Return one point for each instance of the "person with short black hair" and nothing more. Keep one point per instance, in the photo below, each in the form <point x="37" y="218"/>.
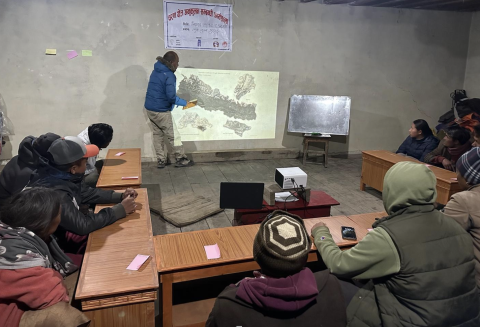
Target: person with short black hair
<point x="285" y="292"/>
<point x="65" y="174"/>
<point x="32" y="266"/>
<point x="101" y="135"/>
<point x="160" y="100"/>
<point x="420" y="141"/>
<point x="32" y="154"/>
<point x="455" y="143"/>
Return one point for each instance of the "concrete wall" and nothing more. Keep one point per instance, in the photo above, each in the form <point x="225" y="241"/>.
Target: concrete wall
<point x="472" y="73"/>
<point x="397" y="65"/>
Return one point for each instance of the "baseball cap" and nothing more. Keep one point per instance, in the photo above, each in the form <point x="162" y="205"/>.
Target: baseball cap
<point x="70" y="149"/>
<point x="43" y="142"/>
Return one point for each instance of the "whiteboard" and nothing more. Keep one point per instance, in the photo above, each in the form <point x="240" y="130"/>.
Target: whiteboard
<point x="319" y="114"/>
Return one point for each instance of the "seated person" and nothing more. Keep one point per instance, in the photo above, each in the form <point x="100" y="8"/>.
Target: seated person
<point x="464" y="206"/>
<point x="419" y="262"/>
<point x="100" y="135"/>
<point x="65" y="174"/>
<point x="32" y="266"/>
<point x="420" y="141"/>
<point x="285" y="293"/>
<point x="455" y="143"/>
<point x="476" y="136"/>
<point x="31" y="155"/>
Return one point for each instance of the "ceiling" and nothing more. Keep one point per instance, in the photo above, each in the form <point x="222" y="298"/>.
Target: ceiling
<point x="450" y="5"/>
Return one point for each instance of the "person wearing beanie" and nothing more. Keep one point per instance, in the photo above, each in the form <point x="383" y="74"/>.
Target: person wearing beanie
<point x="418" y="263"/>
<point x="65" y="174"/>
<point x="32" y="154"/>
<point x="285" y="292"/>
<point x="464" y="206"/>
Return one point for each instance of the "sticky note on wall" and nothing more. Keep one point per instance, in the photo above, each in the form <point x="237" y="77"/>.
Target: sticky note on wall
<point x="72" y="54"/>
<point x="51" y="51"/>
<point x="87" y="53"/>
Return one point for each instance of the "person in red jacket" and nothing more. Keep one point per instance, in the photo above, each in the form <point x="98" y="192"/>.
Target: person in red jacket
<point x="32" y="265"/>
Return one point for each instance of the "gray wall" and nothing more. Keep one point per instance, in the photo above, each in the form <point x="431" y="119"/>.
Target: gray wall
<point x="472" y="74"/>
<point x="397" y="65"/>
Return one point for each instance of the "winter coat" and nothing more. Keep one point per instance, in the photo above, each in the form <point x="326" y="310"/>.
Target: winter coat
<point x="418" y="149"/>
<point x="16" y="173"/>
<point x="162" y="88"/>
<point x="74" y="192"/>
<point x="464" y="207"/>
<point x="304" y="299"/>
<point x="437" y="156"/>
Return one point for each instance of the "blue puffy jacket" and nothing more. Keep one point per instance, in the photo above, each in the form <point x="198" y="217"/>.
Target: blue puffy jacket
<point x="162" y="88"/>
<point x="418" y="149"/>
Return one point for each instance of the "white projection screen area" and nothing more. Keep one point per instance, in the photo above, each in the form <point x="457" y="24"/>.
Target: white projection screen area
<point x="232" y="104"/>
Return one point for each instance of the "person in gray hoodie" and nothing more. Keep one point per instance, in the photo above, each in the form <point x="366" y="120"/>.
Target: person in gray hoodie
<point x="285" y="292"/>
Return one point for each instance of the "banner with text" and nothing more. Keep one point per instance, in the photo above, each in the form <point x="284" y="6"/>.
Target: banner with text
<point x="197" y="26"/>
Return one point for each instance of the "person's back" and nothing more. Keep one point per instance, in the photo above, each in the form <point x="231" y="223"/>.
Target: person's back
<point x="161" y="91"/>
<point x="285" y="293"/>
<point x="284" y="302"/>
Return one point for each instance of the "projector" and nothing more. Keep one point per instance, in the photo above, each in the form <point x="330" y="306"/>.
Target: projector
<point x="284" y="176"/>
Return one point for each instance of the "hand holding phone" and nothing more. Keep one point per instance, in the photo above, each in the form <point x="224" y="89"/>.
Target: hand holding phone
<point x="348" y="233"/>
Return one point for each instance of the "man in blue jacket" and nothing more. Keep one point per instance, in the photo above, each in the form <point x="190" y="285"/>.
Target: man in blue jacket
<point x="159" y="102"/>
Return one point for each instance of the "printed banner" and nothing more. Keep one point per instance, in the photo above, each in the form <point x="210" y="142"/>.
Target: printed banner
<point x="197" y="26"/>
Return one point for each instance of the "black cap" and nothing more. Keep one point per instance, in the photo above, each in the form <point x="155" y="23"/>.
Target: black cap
<point x="43" y="142"/>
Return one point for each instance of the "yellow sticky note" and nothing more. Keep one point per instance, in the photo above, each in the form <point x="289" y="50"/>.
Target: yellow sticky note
<point x="87" y="53"/>
<point x="51" y="51"/>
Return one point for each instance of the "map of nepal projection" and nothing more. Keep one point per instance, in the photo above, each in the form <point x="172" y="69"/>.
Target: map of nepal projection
<point x="230" y="104"/>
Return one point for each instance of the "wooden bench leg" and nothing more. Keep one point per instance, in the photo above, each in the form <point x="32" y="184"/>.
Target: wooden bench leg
<point x="362" y="185"/>
<point x="305" y="149"/>
<point x="325" y="163"/>
<point x="167" y="300"/>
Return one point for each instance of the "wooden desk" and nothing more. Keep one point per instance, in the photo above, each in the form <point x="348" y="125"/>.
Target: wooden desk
<point x="366" y="220"/>
<point x="110" y="294"/>
<point x="319" y="206"/>
<point x="376" y="164"/>
<point x="181" y="257"/>
<point x="114" y="168"/>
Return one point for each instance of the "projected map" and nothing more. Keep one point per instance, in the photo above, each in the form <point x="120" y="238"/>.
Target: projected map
<point x="231" y="104"/>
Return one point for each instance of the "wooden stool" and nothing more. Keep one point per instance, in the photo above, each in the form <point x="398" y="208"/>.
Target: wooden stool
<point x="313" y="139"/>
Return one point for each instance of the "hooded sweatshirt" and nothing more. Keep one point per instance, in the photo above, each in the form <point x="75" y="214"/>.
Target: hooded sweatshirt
<point x="18" y="170"/>
<point x="303" y="299"/>
<point x="90" y="161"/>
<point x="400" y="258"/>
<point x="162" y="88"/>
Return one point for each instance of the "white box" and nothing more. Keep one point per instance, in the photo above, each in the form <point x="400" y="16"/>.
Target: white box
<point x="284" y="176"/>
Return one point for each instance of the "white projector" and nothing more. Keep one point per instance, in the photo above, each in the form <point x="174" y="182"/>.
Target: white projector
<point x="285" y="177"/>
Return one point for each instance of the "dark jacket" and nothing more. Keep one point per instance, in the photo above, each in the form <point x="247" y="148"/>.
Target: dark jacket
<point x="435" y="286"/>
<point x="418" y="149"/>
<point x="162" y="88"/>
<point x="304" y="299"/>
<point x="442" y="152"/>
<point x="74" y="192"/>
<point x="17" y="172"/>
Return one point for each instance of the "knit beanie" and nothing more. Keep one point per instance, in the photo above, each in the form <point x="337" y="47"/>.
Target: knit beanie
<point x="469" y="166"/>
<point x="281" y="245"/>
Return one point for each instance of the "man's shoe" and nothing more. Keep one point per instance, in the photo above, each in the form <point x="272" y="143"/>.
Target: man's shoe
<point x="161" y="164"/>
<point x="184" y="163"/>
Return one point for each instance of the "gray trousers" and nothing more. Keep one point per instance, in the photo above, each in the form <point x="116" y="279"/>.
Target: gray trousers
<point x="162" y="126"/>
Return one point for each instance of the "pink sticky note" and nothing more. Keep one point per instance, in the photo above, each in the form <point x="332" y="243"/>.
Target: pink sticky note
<point x="369" y="229"/>
<point x="131" y="177"/>
<point x="120" y="154"/>
<point x="213" y="251"/>
<point x="428" y="165"/>
<point x="453" y="179"/>
<point x="138" y="262"/>
<point x="72" y="54"/>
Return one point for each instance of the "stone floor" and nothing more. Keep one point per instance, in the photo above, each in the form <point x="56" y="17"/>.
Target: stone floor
<point x="341" y="180"/>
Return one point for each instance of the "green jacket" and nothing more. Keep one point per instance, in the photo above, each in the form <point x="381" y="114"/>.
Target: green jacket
<point x="417" y="277"/>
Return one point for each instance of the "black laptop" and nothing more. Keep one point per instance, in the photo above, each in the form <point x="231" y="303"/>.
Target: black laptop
<point x="241" y="195"/>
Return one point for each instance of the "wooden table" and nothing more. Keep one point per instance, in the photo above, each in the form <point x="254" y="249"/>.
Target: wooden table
<point x="366" y="220"/>
<point x="181" y="257"/>
<point x="376" y="164"/>
<point x="114" y="168"/>
<point x="316" y="139"/>
<point x="110" y="294"/>
<point x="319" y="206"/>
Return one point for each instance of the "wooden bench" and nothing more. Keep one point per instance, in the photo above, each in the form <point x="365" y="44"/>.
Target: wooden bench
<point x="376" y="164"/>
<point x="181" y="257"/>
<point x="116" y="167"/>
<point x="111" y="295"/>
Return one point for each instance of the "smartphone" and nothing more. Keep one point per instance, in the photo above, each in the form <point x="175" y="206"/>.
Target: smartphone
<point x="348" y="233"/>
